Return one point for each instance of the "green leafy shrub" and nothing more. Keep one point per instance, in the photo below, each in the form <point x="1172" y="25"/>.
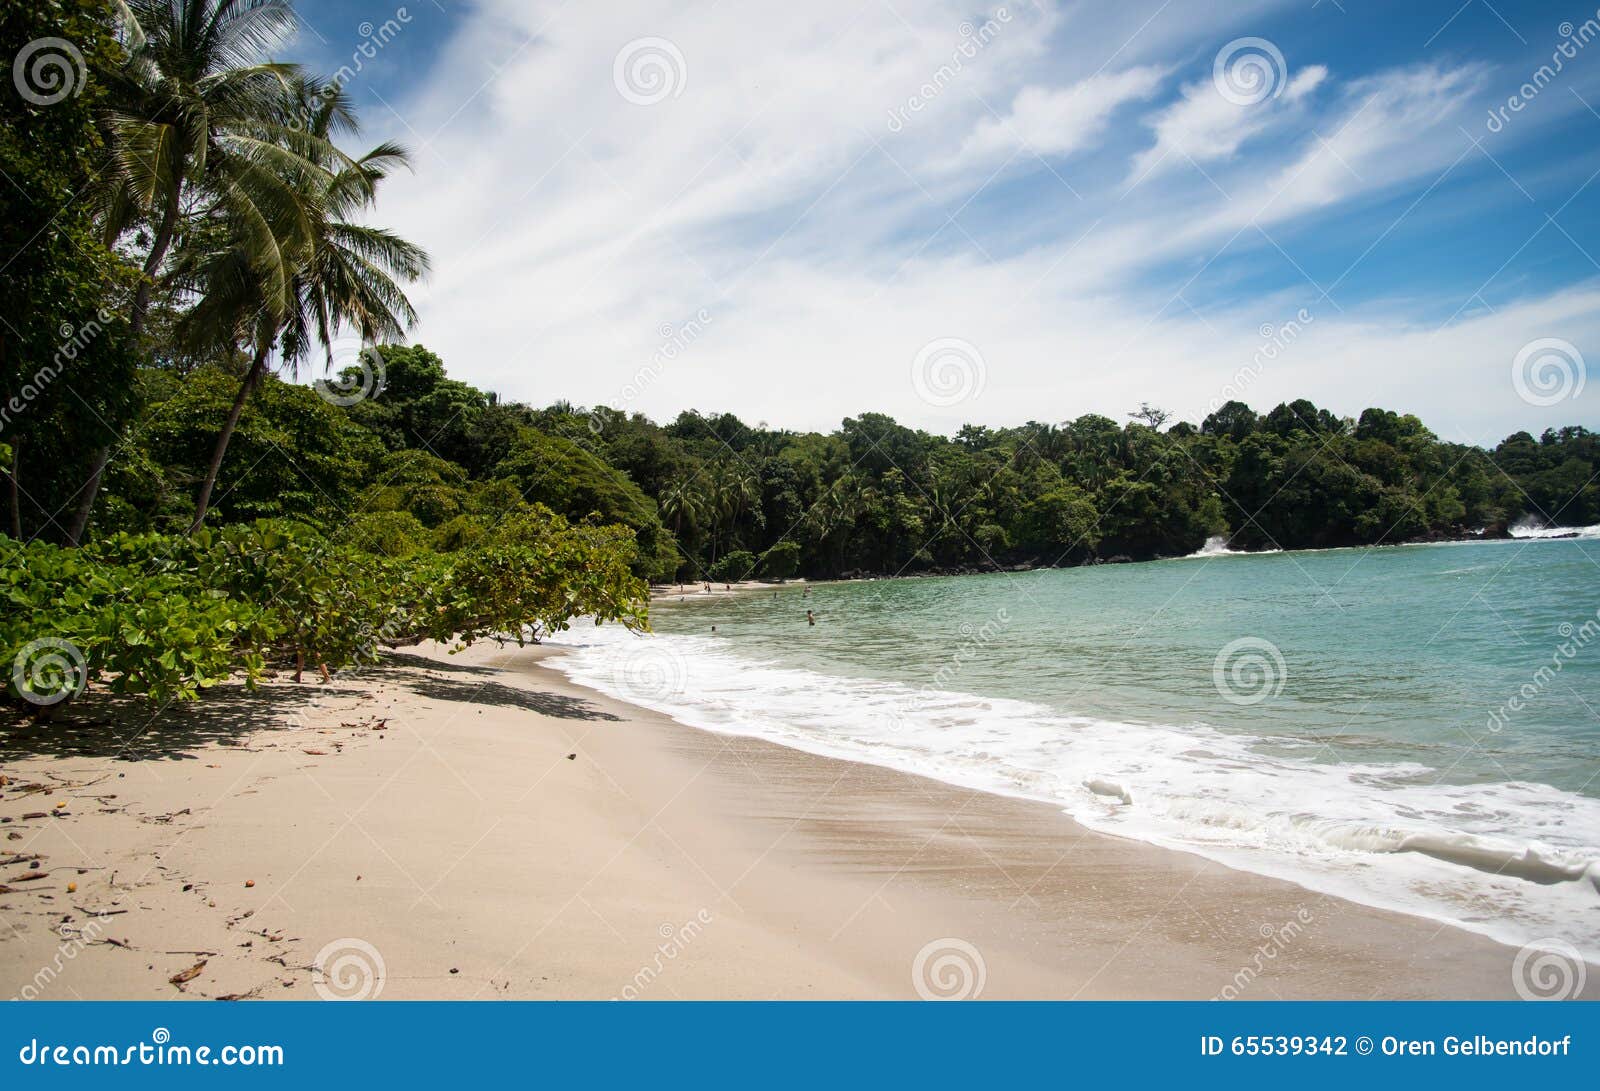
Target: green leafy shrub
<point x="781" y="561"/>
<point x="534" y="574"/>
<point x="387" y="533"/>
<point x="131" y="618"/>
<point x="738" y="565"/>
<point x="167" y="616"/>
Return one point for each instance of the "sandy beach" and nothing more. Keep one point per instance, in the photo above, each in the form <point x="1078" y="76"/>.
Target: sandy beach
<point x="475" y="826"/>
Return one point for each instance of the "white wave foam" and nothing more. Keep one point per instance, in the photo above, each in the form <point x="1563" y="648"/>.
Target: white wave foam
<point x="1528" y="527"/>
<point x="1515" y="861"/>
<point x="1217" y="546"/>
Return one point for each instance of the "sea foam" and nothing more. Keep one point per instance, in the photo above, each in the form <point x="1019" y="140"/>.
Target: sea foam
<point x="1517" y="861"/>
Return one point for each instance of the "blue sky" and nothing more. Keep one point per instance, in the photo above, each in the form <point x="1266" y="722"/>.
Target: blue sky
<point x="955" y="213"/>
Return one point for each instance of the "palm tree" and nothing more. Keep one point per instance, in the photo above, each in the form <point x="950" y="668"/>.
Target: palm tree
<point x="731" y="488"/>
<point x="345" y="276"/>
<point x="681" y="505"/>
<point x="195" y="121"/>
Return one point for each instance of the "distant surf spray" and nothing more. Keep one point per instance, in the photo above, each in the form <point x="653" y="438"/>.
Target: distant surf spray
<point x="1529" y="527"/>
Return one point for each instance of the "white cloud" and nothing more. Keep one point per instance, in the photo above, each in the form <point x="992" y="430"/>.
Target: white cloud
<point x="1203" y="125"/>
<point x="1056" y="121"/>
<point x="1397" y="125"/>
<point x="568" y="224"/>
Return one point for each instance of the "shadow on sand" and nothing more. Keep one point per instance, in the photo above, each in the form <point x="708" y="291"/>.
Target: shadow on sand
<point x="101" y="724"/>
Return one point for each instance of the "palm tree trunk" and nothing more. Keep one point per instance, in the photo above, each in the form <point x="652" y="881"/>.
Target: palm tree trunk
<point x="14" y="489"/>
<point x="80" y="517"/>
<point x="203" y="503"/>
<point x="136" y="316"/>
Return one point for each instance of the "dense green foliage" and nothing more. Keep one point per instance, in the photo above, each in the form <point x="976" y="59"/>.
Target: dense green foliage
<point x="165" y="616"/>
<point x="709" y="498"/>
<point x="179" y="220"/>
<point x="66" y="359"/>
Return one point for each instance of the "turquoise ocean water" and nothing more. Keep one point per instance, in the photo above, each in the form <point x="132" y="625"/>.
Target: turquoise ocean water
<point x="1414" y="727"/>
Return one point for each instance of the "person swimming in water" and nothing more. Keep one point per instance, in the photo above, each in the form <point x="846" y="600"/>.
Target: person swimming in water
<point x="811" y="619"/>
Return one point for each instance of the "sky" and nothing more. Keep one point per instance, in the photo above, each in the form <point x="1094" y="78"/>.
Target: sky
<point x="954" y="213"/>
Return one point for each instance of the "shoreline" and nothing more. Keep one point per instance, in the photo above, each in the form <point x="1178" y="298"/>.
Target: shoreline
<point x="696" y="591"/>
<point x="461" y="842"/>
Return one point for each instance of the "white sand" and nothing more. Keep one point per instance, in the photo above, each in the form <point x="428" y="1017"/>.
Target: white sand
<point x="464" y="847"/>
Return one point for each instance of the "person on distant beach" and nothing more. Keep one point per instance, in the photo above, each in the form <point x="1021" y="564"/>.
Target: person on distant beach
<point x="811" y="619"/>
